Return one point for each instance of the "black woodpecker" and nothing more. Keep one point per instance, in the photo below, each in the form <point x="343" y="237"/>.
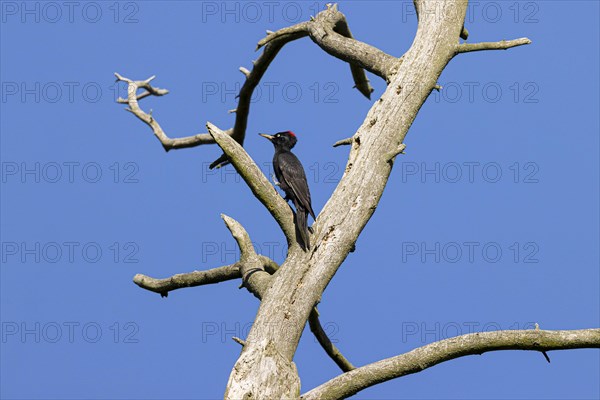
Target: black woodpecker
<point x="292" y="180"/>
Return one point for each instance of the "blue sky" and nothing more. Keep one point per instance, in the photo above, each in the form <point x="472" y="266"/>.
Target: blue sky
<point x="490" y="220"/>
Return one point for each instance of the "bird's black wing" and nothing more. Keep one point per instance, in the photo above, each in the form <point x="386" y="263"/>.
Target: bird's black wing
<point x="293" y="175"/>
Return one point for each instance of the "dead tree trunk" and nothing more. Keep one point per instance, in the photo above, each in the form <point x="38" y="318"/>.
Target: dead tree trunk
<point x="289" y="294"/>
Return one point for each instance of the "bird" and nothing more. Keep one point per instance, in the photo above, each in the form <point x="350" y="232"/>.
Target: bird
<point x="292" y="180"/>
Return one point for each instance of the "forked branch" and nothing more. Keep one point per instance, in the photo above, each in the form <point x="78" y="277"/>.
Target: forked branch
<point x="238" y="132"/>
<point x="249" y="263"/>
<point x="132" y="100"/>
<point x="330" y="31"/>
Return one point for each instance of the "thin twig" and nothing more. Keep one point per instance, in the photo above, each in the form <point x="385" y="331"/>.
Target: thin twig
<point x="132" y="100"/>
<point x="343" y="142"/>
<point x="325" y="342"/>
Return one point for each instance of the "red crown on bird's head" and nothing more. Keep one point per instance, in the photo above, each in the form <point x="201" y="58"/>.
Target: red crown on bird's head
<point x="291" y="133"/>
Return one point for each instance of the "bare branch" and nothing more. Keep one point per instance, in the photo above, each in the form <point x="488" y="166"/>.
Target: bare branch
<point x="257" y="181"/>
<point x="361" y="82"/>
<point x="198" y="278"/>
<point x="352" y="382"/>
<point x="330" y="31"/>
<point x="241" y="237"/>
<point x="298" y="31"/>
<point x="245" y="71"/>
<point x="501" y="45"/>
<point x="330" y="348"/>
<point x="167" y="142"/>
<point x="343" y="142"/>
<point x="143" y="95"/>
<point x="239" y="341"/>
<point x="190" y="279"/>
<point x="242" y="111"/>
<point x="254" y="276"/>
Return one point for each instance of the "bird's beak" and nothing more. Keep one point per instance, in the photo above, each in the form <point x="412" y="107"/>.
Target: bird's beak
<point x="270" y="137"/>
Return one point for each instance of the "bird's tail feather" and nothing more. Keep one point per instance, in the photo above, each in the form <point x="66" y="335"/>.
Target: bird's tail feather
<point x="302" y="228"/>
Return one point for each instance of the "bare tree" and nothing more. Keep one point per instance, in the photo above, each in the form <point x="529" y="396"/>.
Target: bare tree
<point x="289" y="294"/>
